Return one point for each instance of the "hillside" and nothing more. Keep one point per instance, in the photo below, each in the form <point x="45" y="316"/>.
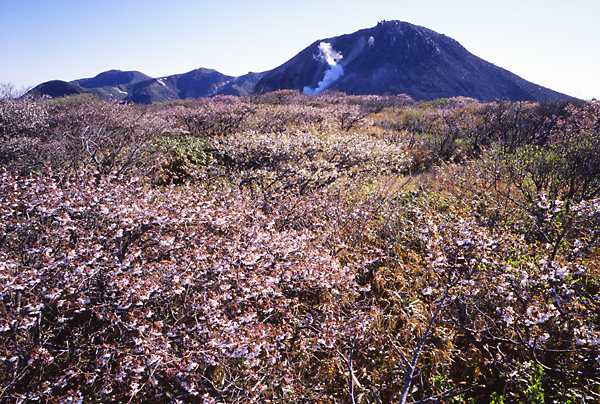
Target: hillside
<point x="139" y="88"/>
<point x="106" y="85"/>
<point x="58" y="88"/>
<point x="197" y="83"/>
<point x="400" y="58"/>
<point x="112" y="78"/>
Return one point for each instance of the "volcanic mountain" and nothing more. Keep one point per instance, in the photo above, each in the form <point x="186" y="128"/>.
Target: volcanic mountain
<point x="400" y="58"/>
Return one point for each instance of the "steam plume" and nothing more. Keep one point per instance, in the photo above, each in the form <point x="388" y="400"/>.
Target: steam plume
<point x="334" y="72"/>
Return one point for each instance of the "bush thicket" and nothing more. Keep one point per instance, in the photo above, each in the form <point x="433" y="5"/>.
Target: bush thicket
<point x="285" y="248"/>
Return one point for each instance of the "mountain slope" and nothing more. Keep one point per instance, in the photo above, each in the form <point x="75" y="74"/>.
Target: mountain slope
<point x="138" y="88"/>
<point x="398" y="57"/>
<point x="197" y="83"/>
<point x="112" y="78"/>
<point x="57" y="88"/>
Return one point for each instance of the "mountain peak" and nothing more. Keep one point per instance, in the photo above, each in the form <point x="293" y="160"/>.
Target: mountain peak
<point x="396" y="57"/>
<point x="112" y="78"/>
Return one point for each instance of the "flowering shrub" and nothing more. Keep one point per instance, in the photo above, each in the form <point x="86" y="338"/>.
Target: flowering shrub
<point x="277" y="249"/>
<point x="106" y="135"/>
<point x="302" y="162"/>
<point x="21" y="117"/>
<point x="111" y="289"/>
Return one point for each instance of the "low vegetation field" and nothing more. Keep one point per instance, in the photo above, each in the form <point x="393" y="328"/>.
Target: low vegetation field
<point x="294" y="249"/>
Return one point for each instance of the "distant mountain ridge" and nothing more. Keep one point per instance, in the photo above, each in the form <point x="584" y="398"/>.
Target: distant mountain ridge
<point x="112" y="78"/>
<point x="197" y="83"/>
<point x="139" y="88"/>
<point x="393" y="57"/>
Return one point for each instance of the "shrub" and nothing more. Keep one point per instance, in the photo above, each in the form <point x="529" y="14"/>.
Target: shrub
<point x="219" y="117"/>
<point x="183" y="159"/>
<point x="232" y="250"/>
<point x="547" y="181"/>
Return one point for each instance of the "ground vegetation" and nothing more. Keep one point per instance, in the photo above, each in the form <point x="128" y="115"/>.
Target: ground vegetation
<point x="287" y="248"/>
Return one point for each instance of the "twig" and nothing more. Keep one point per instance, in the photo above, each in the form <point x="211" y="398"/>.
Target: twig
<point x="446" y="394"/>
<point x="375" y="396"/>
<point x="413" y="364"/>
<point x="351" y="370"/>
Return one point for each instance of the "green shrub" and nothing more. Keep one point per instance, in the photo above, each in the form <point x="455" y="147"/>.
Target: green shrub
<point x="411" y="118"/>
<point x="74" y="100"/>
<point x="184" y="159"/>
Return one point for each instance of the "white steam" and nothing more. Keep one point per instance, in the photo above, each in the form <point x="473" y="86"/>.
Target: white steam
<point x="335" y="71"/>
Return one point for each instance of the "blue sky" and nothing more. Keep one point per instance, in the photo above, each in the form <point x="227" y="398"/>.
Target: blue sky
<point x="552" y="43"/>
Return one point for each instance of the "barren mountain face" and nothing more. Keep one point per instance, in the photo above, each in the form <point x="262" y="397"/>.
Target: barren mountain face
<point x="397" y="57"/>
